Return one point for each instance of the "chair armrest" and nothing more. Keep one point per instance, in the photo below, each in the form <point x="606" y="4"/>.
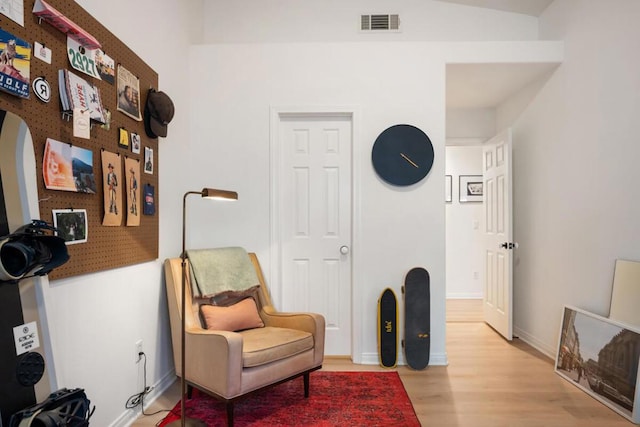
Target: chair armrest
<point x="214" y="360"/>
<point x="308" y="322"/>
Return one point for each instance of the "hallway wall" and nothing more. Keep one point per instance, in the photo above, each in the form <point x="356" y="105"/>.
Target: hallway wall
<point x="576" y="169"/>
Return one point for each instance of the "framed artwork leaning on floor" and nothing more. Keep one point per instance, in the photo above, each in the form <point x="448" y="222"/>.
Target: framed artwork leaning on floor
<point x="600" y="356"/>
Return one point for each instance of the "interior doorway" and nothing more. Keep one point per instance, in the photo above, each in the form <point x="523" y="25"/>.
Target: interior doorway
<point x="463" y="219"/>
<point x="474" y="94"/>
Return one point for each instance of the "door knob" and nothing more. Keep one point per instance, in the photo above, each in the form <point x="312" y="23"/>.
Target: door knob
<point x="344" y="250"/>
<point x="509" y="245"/>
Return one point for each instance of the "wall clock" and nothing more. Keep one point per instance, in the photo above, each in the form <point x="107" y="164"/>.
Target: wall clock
<point x="402" y="155"/>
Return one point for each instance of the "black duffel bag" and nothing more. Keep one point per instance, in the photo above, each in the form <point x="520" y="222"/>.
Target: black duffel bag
<point x="63" y="408"/>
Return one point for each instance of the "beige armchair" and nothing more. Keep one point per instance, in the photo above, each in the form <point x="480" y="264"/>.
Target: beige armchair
<point x="230" y="365"/>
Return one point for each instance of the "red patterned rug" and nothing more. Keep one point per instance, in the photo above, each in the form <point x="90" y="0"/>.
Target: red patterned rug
<point x="335" y="399"/>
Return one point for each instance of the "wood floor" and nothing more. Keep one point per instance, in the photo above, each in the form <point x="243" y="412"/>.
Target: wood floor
<point x="489" y="383"/>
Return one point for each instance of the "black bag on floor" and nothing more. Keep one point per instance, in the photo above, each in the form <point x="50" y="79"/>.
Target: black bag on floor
<point x="63" y="408"/>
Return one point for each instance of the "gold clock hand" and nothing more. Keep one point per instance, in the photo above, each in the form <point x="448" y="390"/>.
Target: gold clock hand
<point x="409" y="160"/>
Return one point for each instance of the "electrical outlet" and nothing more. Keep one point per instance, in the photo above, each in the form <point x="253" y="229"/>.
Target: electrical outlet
<point x="476" y="275"/>
<point x="138" y="350"/>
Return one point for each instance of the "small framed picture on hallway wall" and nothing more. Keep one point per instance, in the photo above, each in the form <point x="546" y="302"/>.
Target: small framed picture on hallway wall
<point x="470" y="189"/>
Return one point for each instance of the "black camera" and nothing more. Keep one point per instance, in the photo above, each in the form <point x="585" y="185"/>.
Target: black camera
<point x="29" y="251"/>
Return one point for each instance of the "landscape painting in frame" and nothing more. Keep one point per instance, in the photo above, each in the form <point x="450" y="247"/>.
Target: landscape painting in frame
<point x="600" y="356"/>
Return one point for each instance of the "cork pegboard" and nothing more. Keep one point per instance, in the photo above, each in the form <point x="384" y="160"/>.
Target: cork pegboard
<point x="107" y="247"/>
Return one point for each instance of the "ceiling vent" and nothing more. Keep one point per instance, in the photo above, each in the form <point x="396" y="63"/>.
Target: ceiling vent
<point x="387" y="22"/>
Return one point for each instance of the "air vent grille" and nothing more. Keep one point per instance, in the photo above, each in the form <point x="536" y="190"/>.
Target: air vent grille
<point x="365" y="22"/>
<point x="380" y="22"/>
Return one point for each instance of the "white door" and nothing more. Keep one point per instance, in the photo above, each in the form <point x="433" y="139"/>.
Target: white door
<point x="315" y="221"/>
<point x="498" y="242"/>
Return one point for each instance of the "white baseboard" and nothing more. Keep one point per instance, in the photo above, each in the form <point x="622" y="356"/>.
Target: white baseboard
<point x="130" y="415"/>
<point x="535" y="343"/>
<point x="435" y="359"/>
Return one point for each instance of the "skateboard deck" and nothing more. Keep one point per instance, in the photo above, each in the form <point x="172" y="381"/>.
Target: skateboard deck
<point x="388" y="329"/>
<point x="417" y="318"/>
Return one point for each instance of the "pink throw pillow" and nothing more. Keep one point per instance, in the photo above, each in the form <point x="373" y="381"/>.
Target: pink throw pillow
<point x="236" y="317"/>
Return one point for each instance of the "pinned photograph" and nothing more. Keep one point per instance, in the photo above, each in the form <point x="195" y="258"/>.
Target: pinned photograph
<point x="107" y="120"/>
<point x="68" y="168"/>
<point x="148" y="160"/>
<point x="129" y="94"/>
<point x="71" y="225"/>
<point x="106" y="67"/>
<point x="135" y="143"/>
<point x="82" y="166"/>
<point x="56" y="166"/>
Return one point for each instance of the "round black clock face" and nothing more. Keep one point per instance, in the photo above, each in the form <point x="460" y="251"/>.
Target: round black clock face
<point x="402" y="155"/>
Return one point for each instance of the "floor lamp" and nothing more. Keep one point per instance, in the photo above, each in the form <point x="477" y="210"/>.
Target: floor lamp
<point x="209" y="193"/>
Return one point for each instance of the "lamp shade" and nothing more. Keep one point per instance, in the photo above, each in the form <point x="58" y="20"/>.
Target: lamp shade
<point x="213" y="193"/>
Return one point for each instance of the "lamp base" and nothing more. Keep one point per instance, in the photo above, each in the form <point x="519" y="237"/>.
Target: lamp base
<point x="188" y="422"/>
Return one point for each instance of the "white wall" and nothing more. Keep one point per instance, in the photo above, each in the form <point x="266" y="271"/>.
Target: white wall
<point x="234" y="84"/>
<point x="250" y="21"/>
<point x="96" y="319"/>
<point x="463" y="227"/>
<point x="231" y="140"/>
<point x="468" y="126"/>
<point x="576" y="169"/>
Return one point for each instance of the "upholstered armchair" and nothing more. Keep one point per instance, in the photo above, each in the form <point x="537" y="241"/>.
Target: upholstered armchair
<point x="230" y="364"/>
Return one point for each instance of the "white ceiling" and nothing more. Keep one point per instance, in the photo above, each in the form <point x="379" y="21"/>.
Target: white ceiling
<point x="526" y="7"/>
<point x="488" y="85"/>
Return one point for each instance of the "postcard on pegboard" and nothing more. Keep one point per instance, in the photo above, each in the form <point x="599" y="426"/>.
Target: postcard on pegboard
<point x="132" y="173"/>
<point x="112" y="176"/>
<point x="15" y="63"/>
<point x="68" y="168"/>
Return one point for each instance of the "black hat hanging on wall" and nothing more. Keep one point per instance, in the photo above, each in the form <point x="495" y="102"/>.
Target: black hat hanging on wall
<point x="158" y="112"/>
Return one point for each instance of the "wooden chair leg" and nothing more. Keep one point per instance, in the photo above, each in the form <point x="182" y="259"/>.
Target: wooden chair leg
<point x="306" y="384"/>
<point x="230" y="414"/>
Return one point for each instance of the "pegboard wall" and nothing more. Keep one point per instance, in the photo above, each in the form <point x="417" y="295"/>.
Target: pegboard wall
<point x="106" y="247"/>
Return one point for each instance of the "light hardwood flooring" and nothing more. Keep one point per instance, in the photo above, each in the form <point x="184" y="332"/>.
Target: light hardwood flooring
<point x="489" y="382"/>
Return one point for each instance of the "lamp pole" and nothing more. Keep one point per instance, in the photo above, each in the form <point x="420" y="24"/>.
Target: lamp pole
<point x="206" y="193"/>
